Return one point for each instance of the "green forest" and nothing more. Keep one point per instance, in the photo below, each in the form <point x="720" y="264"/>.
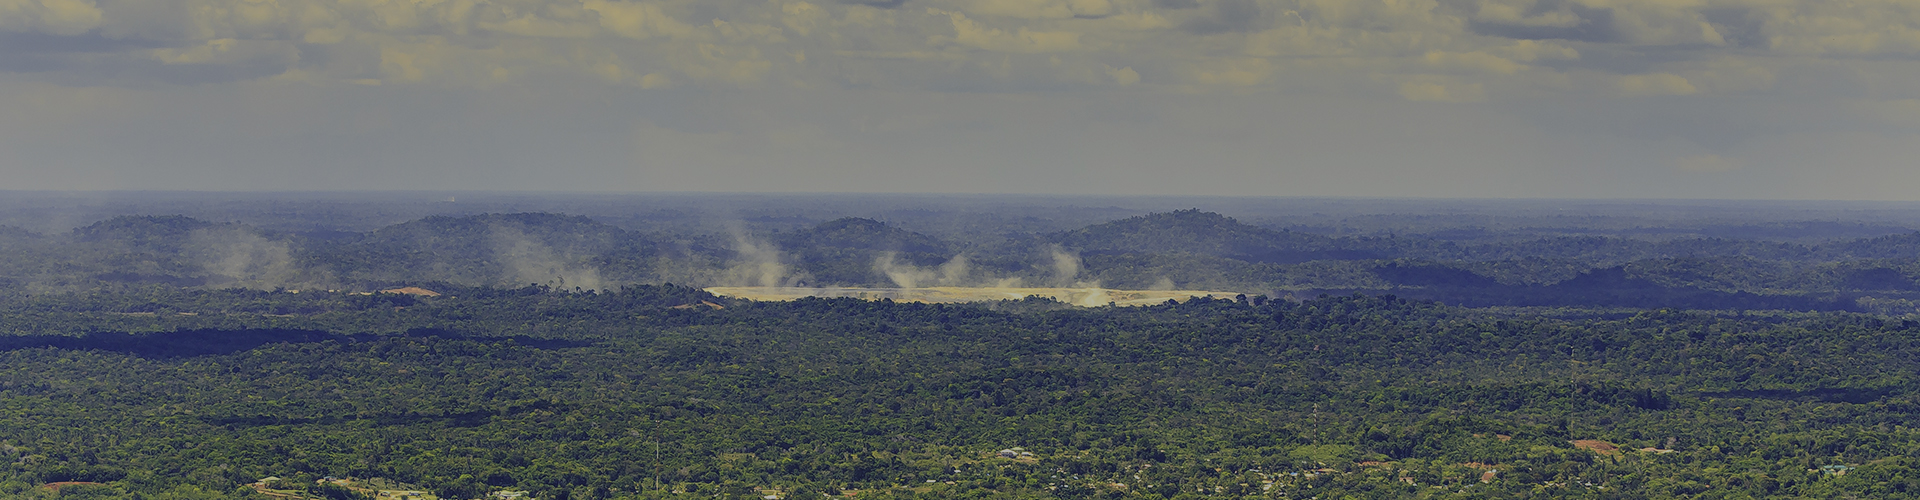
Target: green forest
<point x="665" y="391"/>
<point x="562" y="357"/>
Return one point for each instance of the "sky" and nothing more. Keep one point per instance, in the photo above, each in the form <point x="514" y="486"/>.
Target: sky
<point x="1742" y="99"/>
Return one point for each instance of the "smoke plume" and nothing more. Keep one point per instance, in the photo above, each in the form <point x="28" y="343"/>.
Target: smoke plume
<point x="1066" y="267"/>
<point x="954" y="272"/>
<point x="758" y="264"/>
<point x="526" y="260"/>
<point x="245" y="257"/>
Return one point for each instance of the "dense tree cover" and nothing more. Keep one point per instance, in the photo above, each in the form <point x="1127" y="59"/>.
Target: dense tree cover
<point x="666" y="391"/>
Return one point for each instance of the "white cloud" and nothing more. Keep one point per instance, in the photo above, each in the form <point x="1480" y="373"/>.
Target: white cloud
<point x="640" y="20"/>
<point x="1523" y="47"/>
<point x="802" y="17"/>
<point x="56" y="17"/>
<point x="973" y="33"/>
<point x="1535" y="50"/>
<point x="1869" y="27"/>
<point x="1040" y="9"/>
<point x="1517" y="12"/>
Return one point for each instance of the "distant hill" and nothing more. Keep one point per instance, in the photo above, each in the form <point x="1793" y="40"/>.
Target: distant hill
<point x="848" y="251"/>
<point x="1428" y="274"/>
<point x="1184" y="249"/>
<point x="463" y="235"/>
<point x="142" y="231"/>
<point x="12" y="233"/>
<point x="1899" y="246"/>
<point x="856" y="233"/>
<point x="1610" y="249"/>
<point x="1206" y="233"/>
<point x="14" y="239"/>
<point x="489" y="249"/>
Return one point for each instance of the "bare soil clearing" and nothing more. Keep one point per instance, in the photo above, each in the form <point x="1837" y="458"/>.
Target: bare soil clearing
<point x="1598" y="446"/>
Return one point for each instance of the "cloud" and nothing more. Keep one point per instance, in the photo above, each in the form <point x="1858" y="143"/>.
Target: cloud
<point x="640" y="20"/>
<point x="803" y="17"/>
<point x="53" y="17"/>
<point x="1873" y="27"/>
<point x="972" y="33"/>
<point x="884" y="4"/>
<point x="946" y="45"/>
<point x="1228" y="16"/>
<point x="1545" y="21"/>
<point x="1740" y="26"/>
<point x="1529" y="13"/>
<point x="1041" y="9"/>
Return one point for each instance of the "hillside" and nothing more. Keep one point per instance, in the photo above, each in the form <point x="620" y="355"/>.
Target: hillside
<point x="1203" y="233"/>
<point x="1183" y="249"/>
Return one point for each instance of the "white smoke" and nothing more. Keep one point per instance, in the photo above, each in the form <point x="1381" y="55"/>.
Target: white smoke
<point x="245" y="257"/>
<point x="1066" y="267"/>
<point x="1165" y="283"/>
<point x="760" y="264"/>
<point x="1093" y="297"/>
<point x="903" y="275"/>
<point x="953" y="272"/>
<point x="956" y="271"/>
<point x="526" y="260"/>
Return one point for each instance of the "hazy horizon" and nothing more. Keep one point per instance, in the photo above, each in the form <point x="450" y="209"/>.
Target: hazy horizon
<point x="55" y="211"/>
<point x="441" y="194"/>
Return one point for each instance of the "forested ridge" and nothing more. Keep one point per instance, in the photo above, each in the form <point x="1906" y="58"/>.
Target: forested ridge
<point x="652" y="391"/>
<point x="1186" y="249"/>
